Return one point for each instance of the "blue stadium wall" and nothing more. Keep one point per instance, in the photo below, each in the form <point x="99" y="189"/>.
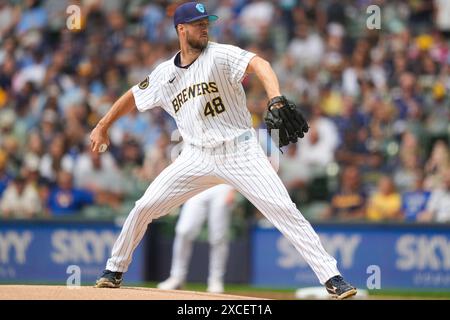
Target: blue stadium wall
<point x="43" y="251"/>
<point x="378" y="256"/>
<point x="402" y="256"/>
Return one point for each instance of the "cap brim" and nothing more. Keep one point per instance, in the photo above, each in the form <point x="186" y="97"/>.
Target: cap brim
<point x="211" y="18"/>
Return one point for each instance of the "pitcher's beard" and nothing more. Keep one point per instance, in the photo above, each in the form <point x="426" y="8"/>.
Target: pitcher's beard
<point x="199" y="45"/>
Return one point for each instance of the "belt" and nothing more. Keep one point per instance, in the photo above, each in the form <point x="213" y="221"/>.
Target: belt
<point x="245" y="136"/>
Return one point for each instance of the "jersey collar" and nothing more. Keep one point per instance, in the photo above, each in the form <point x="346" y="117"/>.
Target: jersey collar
<point x="177" y="59"/>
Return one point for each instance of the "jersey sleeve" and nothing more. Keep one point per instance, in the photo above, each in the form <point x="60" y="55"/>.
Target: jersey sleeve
<point x="235" y="60"/>
<point x="147" y="92"/>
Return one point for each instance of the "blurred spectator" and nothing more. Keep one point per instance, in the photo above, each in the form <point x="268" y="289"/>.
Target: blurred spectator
<point x="406" y="175"/>
<point x="223" y="30"/>
<point x="255" y="17"/>
<point x="7" y="119"/>
<point x="49" y="126"/>
<point x="11" y="147"/>
<point x="421" y="15"/>
<point x="400" y="66"/>
<point x="381" y="128"/>
<point x="5" y="176"/>
<point x="153" y="21"/>
<point x="349" y="202"/>
<point x="134" y="126"/>
<point x="316" y="149"/>
<point x="33" y="17"/>
<point x="130" y="156"/>
<point x="442" y="20"/>
<point x="289" y="76"/>
<point x="376" y="70"/>
<point x="307" y="47"/>
<point x="311" y="11"/>
<point x="35" y="147"/>
<point x="8" y="17"/>
<point x="131" y="159"/>
<point x="331" y="98"/>
<point x="293" y="174"/>
<point x="75" y="130"/>
<point x="409" y="144"/>
<point x="415" y="200"/>
<point x="99" y="173"/>
<point x="56" y="159"/>
<point x="157" y="158"/>
<point x="7" y="69"/>
<point x="350" y="121"/>
<point x="56" y="13"/>
<point x="355" y="150"/>
<point x="409" y="104"/>
<point x="387" y="92"/>
<point x="160" y="123"/>
<point x="335" y="38"/>
<point x="20" y="200"/>
<point x="354" y="74"/>
<point x="438" y="110"/>
<point x="64" y="199"/>
<point x="385" y="203"/>
<point x="438" y="207"/>
<point x="437" y="164"/>
<point x="30" y="171"/>
<point x="33" y="73"/>
<point x="336" y="12"/>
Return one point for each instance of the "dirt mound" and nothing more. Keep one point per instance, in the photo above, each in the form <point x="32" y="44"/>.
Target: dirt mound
<point x="27" y="292"/>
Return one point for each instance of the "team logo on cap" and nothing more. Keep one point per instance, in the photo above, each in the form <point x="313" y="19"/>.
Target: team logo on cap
<point x="200" y="7"/>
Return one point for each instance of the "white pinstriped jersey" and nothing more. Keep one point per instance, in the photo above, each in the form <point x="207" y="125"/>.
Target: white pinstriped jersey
<point x="208" y="103"/>
<point x="206" y="99"/>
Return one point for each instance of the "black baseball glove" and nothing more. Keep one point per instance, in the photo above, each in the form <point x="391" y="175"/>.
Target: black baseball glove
<point x="287" y="120"/>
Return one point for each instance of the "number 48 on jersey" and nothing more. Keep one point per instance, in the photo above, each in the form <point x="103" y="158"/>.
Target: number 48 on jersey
<point x="213" y="107"/>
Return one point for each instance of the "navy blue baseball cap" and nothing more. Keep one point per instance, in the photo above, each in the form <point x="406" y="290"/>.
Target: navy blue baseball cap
<point x="190" y="12"/>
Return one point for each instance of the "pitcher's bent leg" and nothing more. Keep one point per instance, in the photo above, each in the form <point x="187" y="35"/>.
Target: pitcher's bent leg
<point x="184" y="178"/>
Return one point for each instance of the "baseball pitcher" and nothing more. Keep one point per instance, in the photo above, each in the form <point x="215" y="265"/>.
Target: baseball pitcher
<point x="200" y="87"/>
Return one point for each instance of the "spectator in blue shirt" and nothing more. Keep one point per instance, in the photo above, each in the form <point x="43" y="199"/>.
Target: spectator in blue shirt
<point x="33" y="17"/>
<point x="64" y="199"/>
<point x="415" y="201"/>
<point x="408" y="102"/>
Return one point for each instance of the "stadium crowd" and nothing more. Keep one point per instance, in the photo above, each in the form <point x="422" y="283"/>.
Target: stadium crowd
<point x="377" y="101"/>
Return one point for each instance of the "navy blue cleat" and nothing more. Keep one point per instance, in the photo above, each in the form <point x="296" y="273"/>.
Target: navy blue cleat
<point x="109" y="279"/>
<point x="339" y="289"/>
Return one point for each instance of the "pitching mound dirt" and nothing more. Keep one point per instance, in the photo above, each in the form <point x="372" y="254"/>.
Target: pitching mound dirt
<point x="26" y="292"/>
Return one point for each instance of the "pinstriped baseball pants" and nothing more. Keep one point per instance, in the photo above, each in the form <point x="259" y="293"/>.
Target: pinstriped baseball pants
<point x="242" y="165"/>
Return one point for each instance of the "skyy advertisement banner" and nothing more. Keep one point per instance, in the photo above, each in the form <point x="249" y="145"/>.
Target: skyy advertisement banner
<point x="52" y="252"/>
<point x="369" y="256"/>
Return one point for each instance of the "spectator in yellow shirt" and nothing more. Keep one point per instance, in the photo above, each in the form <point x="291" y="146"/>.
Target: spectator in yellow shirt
<point x="385" y="203"/>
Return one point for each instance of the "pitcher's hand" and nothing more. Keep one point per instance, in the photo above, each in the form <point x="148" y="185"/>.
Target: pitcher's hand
<point x="99" y="137"/>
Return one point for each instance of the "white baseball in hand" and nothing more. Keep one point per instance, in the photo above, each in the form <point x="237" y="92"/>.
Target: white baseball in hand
<point x="102" y="147"/>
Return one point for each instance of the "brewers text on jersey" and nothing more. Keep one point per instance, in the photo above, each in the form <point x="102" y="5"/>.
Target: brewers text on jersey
<point x="191" y="92"/>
